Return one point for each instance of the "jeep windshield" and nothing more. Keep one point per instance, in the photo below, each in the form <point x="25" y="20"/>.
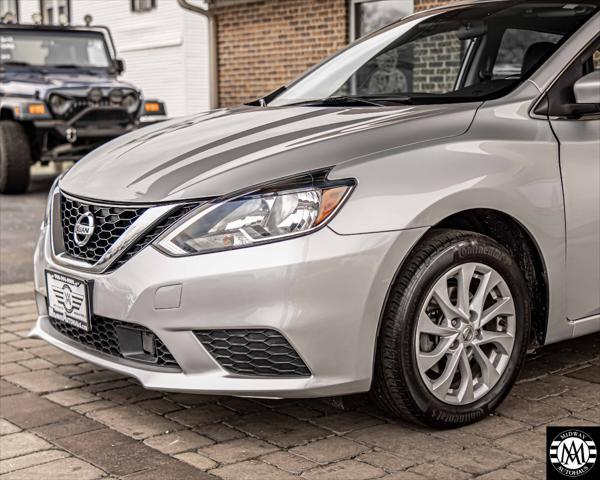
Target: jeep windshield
<point x="53" y="49"/>
<point x="457" y="54"/>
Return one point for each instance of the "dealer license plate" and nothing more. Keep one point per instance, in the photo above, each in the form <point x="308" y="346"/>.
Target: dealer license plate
<point x="68" y="300"/>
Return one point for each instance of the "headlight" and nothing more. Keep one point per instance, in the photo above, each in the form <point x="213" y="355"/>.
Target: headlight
<point x="59" y="104"/>
<point x="255" y="218"/>
<point x="131" y="102"/>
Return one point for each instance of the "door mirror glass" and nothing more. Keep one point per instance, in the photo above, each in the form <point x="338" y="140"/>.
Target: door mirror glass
<point x="587" y="89"/>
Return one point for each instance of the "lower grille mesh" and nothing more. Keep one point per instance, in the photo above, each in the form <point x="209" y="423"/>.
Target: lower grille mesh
<point x="103" y="338"/>
<point x="255" y="352"/>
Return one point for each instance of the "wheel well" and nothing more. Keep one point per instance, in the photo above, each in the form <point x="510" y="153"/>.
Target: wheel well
<point x="6" y="114"/>
<point x="518" y="241"/>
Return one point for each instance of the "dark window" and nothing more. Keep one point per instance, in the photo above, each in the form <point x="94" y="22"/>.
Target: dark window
<point x="10" y="7"/>
<point x="514" y="47"/>
<point x="142" y="5"/>
<point x="55" y="12"/>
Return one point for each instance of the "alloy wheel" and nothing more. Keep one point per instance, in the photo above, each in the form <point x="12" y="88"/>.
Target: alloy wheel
<point x="465" y="333"/>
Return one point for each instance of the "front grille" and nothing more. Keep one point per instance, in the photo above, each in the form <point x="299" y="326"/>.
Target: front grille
<point x="152" y="234"/>
<point x="257" y="352"/>
<point x="110" y="224"/>
<point x="103" y="118"/>
<point x="104" y="338"/>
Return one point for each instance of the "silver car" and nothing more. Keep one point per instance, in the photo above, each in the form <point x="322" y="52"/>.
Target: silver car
<point x="409" y="217"/>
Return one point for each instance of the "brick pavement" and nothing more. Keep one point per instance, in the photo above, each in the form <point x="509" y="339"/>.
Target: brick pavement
<point x="62" y="418"/>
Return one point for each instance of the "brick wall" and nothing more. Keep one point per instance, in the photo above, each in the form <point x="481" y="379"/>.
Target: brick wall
<point x="264" y="44"/>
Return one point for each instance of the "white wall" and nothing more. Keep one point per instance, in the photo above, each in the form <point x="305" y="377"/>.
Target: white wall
<point x="165" y="50"/>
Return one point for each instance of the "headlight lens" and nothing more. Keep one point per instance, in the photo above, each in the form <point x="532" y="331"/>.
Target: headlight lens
<point x="254" y="219"/>
<point x="59" y="104"/>
<point x="131" y="102"/>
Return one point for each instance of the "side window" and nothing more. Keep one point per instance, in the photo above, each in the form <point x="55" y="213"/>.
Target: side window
<point x="522" y="50"/>
<point x="140" y="6"/>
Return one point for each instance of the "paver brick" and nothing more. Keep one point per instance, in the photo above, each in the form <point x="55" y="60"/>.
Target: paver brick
<point x="345" y="470"/>
<point x="68" y="398"/>
<point x="66" y="468"/>
<point x="279" y="429"/>
<point x="43" y="381"/>
<point x="134" y="421"/>
<point x="387" y="461"/>
<point x="528" y="444"/>
<point x="177" y="442"/>
<point x="7" y="428"/>
<point x="199" y="415"/>
<point x="21" y="443"/>
<point x="251" y="470"/>
<point x="533" y="468"/>
<point x="237" y="450"/>
<point x="288" y="461"/>
<point x="31" y="460"/>
<point x="196" y="460"/>
<point x="329" y="450"/>
<point x="437" y="471"/>
<point x="342" y="423"/>
<point x="530" y="412"/>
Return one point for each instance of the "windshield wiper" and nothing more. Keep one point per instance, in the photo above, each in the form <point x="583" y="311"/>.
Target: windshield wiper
<point x="356" y="100"/>
<point x="15" y="63"/>
<point x="339" y="101"/>
<point x="73" y="66"/>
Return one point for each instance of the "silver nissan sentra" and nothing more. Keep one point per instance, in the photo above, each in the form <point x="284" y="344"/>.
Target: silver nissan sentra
<point x="409" y="217"/>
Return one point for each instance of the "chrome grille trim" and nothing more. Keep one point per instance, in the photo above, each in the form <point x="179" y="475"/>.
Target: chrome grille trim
<point x="137" y="229"/>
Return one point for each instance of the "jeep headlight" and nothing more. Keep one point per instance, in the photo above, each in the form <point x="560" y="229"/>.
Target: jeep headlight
<point x="254" y="219"/>
<point x="59" y="104"/>
<point x="131" y="102"/>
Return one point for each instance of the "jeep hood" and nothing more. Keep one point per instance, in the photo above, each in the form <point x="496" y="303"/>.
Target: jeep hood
<point x="225" y="151"/>
<point x="35" y="84"/>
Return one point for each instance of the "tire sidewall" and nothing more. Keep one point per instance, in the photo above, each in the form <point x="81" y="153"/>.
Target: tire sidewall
<point x="477" y="249"/>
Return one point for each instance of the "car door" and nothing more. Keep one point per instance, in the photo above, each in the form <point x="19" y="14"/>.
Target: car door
<point x="577" y="129"/>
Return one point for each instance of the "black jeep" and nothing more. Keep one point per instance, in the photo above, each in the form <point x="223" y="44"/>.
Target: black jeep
<point x="60" y="97"/>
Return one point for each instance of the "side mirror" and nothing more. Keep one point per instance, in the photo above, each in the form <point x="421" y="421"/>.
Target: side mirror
<point x="587" y="89"/>
<point x="120" y="65"/>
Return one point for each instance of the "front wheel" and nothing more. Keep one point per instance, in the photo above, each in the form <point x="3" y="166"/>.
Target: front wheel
<point x="454" y="331"/>
<point x="15" y="158"/>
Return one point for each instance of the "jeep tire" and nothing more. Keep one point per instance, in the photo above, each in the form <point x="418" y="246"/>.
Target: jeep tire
<point x="15" y="158"/>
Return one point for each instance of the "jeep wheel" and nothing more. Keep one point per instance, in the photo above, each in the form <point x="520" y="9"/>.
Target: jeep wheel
<point x="454" y="331"/>
<point x="15" y="158"/>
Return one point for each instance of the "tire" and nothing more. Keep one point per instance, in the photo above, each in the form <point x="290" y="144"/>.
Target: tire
<point x="15" y="158"/>
<point x="400" y="387"/>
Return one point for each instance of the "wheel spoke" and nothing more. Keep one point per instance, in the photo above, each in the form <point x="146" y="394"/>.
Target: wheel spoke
<point x="504" y="340"/>
<point x="442" y="384"/>
<point x="427" y="360"/>
<point x="504" y="306"/>
<point x="465" y="277"/>
<point x="440" y="294"/>
<point x="488" y="282"/>
<point x="489" y="374"/>
<point x="427" y="326"/>
<point x="466" y="393"/>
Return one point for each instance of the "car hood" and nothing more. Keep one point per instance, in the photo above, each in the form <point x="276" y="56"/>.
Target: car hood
<point x="36" y="84"/>
<point x="226" y="151"/>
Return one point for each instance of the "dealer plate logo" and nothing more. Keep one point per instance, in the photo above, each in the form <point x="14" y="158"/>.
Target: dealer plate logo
<point x="572" y="452"/>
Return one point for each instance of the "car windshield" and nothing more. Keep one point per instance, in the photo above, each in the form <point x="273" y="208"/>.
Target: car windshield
<point x="462" y="53"/>
<point x="53" y="49"/>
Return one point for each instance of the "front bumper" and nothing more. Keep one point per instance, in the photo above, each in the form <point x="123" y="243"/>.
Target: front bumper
<point x="323" y="292"/>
